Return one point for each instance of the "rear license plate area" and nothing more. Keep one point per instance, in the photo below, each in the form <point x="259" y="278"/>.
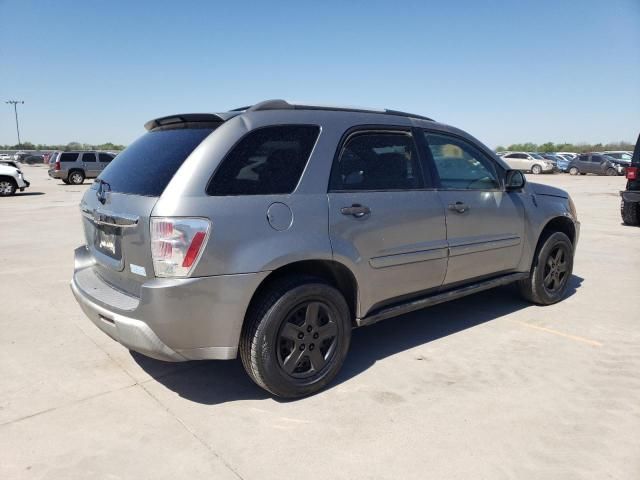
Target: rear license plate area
<point x="107" y="241"/>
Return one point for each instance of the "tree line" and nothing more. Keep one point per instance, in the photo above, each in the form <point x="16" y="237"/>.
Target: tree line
<point x="565" y="147"/>
<point x="65" y="148"/>
<point x="520" y="147"/>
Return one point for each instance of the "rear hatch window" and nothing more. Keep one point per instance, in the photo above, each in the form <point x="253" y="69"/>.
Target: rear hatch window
<point x="147" y="166"/>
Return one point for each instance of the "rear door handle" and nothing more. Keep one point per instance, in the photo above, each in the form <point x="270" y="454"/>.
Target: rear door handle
<point x="356" y="210"/>
<point x="459" y="207"/>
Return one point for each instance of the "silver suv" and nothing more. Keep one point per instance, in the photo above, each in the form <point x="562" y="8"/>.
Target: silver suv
<point x="74" y="167"/>
<point x="271" y="231"/>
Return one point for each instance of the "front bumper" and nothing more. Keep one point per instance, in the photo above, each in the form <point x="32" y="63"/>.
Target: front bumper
<point x="172" y="319"/>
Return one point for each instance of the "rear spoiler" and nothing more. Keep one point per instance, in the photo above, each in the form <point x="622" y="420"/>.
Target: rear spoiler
<point x="187" y="120"/>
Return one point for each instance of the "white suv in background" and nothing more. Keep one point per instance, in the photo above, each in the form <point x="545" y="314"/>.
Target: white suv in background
<point x="11" y="179"/>
<point x="528" y="162"/>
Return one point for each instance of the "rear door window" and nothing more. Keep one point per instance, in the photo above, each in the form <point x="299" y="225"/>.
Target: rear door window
<point x="69" y="157"/>
<point x="89" y="157"/>
<point x="148" y="164"/>
<point x="266" y="161"/>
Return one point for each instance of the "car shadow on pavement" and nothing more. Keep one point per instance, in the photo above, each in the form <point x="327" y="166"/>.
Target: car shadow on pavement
<point x="28" y="194"/>
<point x="216" y="382"/>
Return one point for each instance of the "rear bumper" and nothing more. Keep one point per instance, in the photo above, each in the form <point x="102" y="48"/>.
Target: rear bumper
<point x="59" y="174"/>
<point x="22" y="183"/>
<point x="630" y="196"/>
<point x="173" y="319"/>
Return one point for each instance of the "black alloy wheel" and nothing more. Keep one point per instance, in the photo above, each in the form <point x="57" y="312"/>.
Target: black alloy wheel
<point x="307" y="340"/>
<point x="556" y="269"/>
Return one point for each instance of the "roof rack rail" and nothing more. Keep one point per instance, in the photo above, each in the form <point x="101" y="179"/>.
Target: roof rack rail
<point x="279" y="104"/>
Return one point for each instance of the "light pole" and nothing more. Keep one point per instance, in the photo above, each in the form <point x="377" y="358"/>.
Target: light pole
<point x="15" y="110"/>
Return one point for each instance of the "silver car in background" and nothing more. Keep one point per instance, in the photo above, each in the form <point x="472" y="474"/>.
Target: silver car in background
<point x="271" y="231"/>
<point x="528" y="162"/>
<point x="74" y="167"/>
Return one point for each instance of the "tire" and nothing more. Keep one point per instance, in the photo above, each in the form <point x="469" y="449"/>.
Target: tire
<point x="8" y="187"/>
<point x="574" y="171"/>
<point x="550" y="272"/>
<point x="630" y="213"/>
<point x="611" y="172"/>
<point x="76" y="177"/>
<point x="284" y="325"/>
<point x="536" y="169"/>
<point x="65" y="181"/>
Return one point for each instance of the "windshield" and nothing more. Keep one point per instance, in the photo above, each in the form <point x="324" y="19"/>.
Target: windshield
<point x="536" y="156"/>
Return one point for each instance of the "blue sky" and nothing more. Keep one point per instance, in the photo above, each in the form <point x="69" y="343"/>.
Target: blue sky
<point x="506" y="71"/>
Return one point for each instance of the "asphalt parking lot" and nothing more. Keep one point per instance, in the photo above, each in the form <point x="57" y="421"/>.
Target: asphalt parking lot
<point x="483" y="387"/>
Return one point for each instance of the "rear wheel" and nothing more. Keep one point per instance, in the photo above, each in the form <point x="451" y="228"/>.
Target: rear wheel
<point x="551" y="271"/>
<point x="536" y="169"/>
<point x="573" y="171"/>
<point x="296" y="336"/>
<point x="630" y="213"/>
<point x="65" y="181"/>
<point x="7" y="187"/>
<point x="76" y="177"/>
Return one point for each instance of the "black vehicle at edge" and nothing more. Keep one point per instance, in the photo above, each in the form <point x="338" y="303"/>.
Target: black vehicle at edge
<point x="629" y="206"/>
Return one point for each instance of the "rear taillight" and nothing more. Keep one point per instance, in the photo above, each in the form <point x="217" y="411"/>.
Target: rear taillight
<point x="57" y="165"/>
<point x="632" y="173"/>
<point x="176" y="244"/>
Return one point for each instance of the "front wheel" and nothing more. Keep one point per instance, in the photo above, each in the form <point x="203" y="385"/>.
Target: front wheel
<point x="552" y="268"/>
<point x="611" y="172"/>
<point x="296" y="336"/>
<point x="536" y="169"/>
<point x="573" y="171"/>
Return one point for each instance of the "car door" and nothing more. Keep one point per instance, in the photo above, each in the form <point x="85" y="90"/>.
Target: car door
<point x="385" y="222"/>
<point x="485" y="224"/>
<point x="90" y="164"/>
<point x="598" y="164"/>
<point x="584" y="164"/>
<point x="103" y="160"/>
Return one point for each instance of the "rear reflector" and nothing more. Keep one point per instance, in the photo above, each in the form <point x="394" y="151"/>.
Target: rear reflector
<point x="176" y="244"/>
<point x="194" y="249"/>
<point x="632" y="173"/>
<point x="57" y="165"/>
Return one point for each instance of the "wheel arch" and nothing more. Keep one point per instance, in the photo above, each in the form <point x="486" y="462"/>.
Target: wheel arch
<point x="556" y="224"/>
<point x="334" y="273"/>
<point x="10" y="178"/>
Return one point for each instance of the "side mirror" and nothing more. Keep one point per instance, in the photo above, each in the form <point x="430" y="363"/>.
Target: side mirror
<point x="514" y="180"/>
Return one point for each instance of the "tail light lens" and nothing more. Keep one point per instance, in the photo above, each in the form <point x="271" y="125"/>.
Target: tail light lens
<point x="176" y="244"/>
<point x="632" y="173"/>
<point x="57" y="165"/>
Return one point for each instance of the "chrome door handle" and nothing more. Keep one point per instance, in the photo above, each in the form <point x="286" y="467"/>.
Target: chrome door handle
<point x="356" y="210"/>
<point x="459" y="207"/>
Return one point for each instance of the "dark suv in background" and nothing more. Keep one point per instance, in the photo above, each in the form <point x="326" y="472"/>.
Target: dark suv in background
<point x="595" y="163"/>
<point x="631" y="196"/>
